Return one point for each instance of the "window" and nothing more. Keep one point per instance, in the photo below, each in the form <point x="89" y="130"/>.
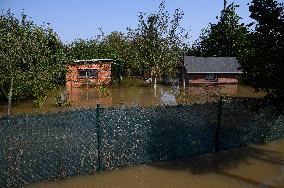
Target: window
<point x="211" y="77"/>
<point x="88" y="73"/>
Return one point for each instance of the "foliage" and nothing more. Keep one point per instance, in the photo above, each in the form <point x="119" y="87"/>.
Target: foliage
<point x="158" y="42"/>
<point x="79" y="49"/>
<point x="39" y="101"/>
<point x="62" y="100"/>
<point x="31" y="59"/>
<point x="264" y="64"/>
<point x="110" y="46"/>
<point x="103" y="91"/>
<point x="154" y="46"/>
<point x="117" y="47"/>
<point x="227" y="38"/>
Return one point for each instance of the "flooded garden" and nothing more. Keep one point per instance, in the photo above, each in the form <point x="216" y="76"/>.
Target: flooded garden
<point x="132" y="92"/>
<point x="68" y="117"/>
<point x="179" y="145"/>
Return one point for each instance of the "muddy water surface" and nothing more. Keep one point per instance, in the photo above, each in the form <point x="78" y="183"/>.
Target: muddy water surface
<point x="247" y="167"/>
<point x="131" y="92"/>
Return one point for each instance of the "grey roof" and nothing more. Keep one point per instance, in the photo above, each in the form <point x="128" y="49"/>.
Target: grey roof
<point x="211" y="64"/>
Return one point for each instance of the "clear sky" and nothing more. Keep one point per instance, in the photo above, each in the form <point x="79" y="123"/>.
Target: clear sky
<point x="73" y="19"/>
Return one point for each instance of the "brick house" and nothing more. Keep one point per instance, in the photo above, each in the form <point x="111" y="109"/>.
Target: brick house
<point x="89" y="72"/>
<point x="210" y="70"/>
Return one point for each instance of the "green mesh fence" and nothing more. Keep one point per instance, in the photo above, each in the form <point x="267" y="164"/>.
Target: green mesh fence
<point x="241" y="126"/>
<point x="53" y="146"/>
<point x="139" y="135"/>
<point x="44" y="147"/>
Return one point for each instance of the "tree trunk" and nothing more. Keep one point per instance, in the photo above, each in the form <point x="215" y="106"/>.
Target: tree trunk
<point x="10" y="97"/>
<point x="183" y="77"/>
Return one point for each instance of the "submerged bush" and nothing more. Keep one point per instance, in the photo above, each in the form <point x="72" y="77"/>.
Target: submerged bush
<point x="63" y="100"/>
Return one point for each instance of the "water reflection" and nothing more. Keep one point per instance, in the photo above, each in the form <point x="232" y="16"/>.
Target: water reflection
<point x="153" y="95"/>
<point x="168" y="98"/>
<point x="131" y="93"/>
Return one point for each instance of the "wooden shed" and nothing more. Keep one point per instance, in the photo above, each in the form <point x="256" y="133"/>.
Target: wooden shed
<point x="89" y="72"/>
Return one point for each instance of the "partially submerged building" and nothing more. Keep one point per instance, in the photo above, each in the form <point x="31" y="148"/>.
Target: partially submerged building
<point x="210" y="70"/>
<point x="89" y="72"/>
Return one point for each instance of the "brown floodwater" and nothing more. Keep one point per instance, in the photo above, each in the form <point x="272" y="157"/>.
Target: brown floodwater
<point x="131" y="92"/>
<point x="246" y="167"/>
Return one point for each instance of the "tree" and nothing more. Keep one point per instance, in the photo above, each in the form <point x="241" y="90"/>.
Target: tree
<point x="155" y="46"/>
<point x="120" y="50"/>
<point x="79" y="49"/>
<point x="30" y="59"/>
<point x="227" y="38"/>
<point x="158" y="42"/>
<point x="263" y="64"/>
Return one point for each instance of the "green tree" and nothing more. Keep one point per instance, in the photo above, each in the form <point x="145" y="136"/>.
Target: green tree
<point x="30" y="59"/>
<point x="120" y="50"/>
<point x="114" y="46"/>
<point x="79" y="49"/>
<point x="227" y="38"/>
<point x="155" y="46"/>
<point x="263" y="65"/>
<point x="101" y="47"/>
<point x="158" y="42"/>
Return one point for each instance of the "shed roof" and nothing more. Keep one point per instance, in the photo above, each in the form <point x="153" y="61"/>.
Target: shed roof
<point x="211" y="64"/>
<point x="92" y="61"/>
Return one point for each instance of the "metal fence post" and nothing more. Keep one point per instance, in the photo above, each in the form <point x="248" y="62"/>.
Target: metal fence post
<point x="99" y="136"/>
<point x="217" y="136"/>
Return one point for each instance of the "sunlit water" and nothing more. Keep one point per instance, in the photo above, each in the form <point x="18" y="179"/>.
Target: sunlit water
<point x="247" y="167"/>
<point x="130" y="93"/>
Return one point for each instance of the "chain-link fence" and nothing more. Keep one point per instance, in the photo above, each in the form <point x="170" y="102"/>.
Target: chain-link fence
<point x="43" y="147"/>
<point x="53" y="146"/>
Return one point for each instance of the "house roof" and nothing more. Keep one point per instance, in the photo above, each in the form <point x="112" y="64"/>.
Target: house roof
<point x="194" y="64"/>
<point x="88" y="61"/>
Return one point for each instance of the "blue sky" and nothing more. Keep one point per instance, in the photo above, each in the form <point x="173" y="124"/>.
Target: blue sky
<point x="73" y="19"/>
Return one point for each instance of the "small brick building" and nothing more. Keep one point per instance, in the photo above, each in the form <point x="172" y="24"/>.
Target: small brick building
<point x="89" y="72"/>
<point x="210" y="70"/>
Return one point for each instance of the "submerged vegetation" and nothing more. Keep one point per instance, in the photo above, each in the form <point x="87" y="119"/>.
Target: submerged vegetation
<point x="33" y="58"/>
<point x="62" y="100"/>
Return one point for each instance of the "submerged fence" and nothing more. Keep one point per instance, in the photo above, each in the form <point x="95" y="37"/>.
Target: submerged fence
<point x="52" y="146"/>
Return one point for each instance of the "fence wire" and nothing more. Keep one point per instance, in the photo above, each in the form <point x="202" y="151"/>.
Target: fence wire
<point x="54" y="146"/>
<point x="45" y="147"/>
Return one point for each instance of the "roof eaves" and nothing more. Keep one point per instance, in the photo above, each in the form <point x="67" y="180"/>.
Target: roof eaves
<point x="94" y="60"/>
